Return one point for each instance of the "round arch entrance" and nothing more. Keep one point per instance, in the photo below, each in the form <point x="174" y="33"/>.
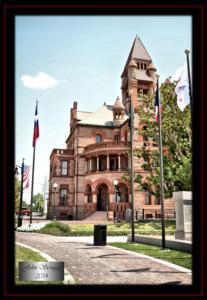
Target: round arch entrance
<point x="102" y="197"/>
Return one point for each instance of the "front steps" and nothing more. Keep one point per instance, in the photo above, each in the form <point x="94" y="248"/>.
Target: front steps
<point x="97" y="216"/>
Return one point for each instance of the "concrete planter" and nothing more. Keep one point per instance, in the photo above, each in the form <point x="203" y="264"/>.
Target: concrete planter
<point x="183" y="215"/>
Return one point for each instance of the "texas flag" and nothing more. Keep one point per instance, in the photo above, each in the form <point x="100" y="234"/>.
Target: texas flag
<point x="36" y="127"/>
<point x="182" y="89"/>
<point x="157" y="103"/>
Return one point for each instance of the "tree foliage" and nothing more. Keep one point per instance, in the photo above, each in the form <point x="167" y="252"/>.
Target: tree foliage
<point x="177" y="144"/>
<point x="17" y="192"/>
<point x="38" y="203"/>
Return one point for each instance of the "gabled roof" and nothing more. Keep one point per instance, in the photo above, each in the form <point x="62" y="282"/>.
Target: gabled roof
<point x="137" y="52"/>
<point x="82" y="115"/>
<point x="102" y="117"/>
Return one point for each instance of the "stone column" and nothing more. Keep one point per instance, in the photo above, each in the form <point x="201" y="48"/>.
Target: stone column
<point x="94" y="198"/>
<point x="97" y="163"/>
<point x="90" y="165"/>
<point x="86" y="166"/>
<point x="183" y="215"/>
<point x="119" y="163"/>
<point x="107" y="162"/>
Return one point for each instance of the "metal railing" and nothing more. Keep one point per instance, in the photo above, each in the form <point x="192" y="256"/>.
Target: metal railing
<point x="147" y="213"/>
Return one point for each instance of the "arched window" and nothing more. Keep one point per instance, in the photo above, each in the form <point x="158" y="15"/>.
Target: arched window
<point x="98" y="138"/>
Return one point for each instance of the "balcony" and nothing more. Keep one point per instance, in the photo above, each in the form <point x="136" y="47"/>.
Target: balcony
<point x="61" y="152"/>
<point x="107" y="146"/>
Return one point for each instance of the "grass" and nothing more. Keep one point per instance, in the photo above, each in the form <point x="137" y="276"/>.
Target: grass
<point x="180" y="258"/>
<point x="144" y="227"/>
<point x="24" y="254"/>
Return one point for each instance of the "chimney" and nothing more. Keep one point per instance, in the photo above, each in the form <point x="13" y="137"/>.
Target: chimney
<point x="73" y="114"/>
<point x="75" y="106"/>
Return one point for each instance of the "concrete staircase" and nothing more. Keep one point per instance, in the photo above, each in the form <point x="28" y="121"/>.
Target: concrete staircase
<point x="97" y="216"/>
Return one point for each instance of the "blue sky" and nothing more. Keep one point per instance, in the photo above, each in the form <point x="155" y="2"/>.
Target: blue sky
<point x="74" y="58"/>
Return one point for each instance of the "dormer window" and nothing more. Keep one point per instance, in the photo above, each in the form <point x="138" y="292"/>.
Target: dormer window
<point x="98" y="138"/>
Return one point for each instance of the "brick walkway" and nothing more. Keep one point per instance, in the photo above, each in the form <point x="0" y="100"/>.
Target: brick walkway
<point x="90" y="264"/>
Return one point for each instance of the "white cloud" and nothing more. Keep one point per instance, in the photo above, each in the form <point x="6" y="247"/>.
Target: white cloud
<point x="42" y="81"/>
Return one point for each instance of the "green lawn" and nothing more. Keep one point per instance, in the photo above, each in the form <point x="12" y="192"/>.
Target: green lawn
<point x="180" y="258"/>
<point x="24" y="254"/>
<point x="142" y="227"/>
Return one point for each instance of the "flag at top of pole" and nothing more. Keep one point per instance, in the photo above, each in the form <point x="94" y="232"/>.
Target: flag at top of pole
<point x="36" y="126"/>
<point x="182" y="89"/>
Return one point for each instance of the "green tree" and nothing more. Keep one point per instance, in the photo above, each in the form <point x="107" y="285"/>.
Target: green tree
<point x="176" y="136"/>
<point x="17" y="192"/>
<point x="25" y="205"/>
<point x="38" y="203"/>
<point x="17" y="195"/>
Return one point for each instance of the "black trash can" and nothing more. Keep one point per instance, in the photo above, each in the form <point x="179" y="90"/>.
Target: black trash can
<point x="99" y="235"/>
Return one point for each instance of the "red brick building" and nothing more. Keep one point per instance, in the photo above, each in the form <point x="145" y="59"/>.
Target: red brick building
<point x="97" y="151"/>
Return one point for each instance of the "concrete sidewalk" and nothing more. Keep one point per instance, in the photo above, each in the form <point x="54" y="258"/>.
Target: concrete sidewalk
<point x="90" y="264"/>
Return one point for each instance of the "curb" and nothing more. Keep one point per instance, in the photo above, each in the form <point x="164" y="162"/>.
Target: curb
<point x="179" y="268"/>
<point x="68" y="278"/>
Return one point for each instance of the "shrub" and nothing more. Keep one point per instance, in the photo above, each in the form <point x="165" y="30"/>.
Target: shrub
<point x="56" y="228"/>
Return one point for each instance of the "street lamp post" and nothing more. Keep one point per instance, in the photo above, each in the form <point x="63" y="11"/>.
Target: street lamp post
<point x="55" y="187"/>
<point x="21" y="192"/>
<point x="131" y="112"/>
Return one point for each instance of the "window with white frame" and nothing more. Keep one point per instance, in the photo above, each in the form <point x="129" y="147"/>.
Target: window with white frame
<point x="64" y="167"/>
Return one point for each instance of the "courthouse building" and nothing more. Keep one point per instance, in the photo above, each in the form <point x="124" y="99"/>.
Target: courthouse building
<point x="97" y="152"/>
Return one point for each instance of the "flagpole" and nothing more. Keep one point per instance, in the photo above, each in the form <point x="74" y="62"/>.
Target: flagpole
<point x="33" y="167"/>
<point x="187" y="51"/>
<point x="161" y="169"/>
<point x="21" y="195"/>
<point x="132" y="165"/>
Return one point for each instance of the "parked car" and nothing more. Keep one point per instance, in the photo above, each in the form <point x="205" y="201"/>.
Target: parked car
<point x="24" y="212"/>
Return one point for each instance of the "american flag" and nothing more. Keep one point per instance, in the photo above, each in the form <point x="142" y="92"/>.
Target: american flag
<point x="26" y="177"/>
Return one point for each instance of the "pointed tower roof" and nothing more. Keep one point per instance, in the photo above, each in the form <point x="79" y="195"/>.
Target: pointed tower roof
<point x="132" y="64"/>
<point x="151" y="67"/>
<point x="138" y="51"/>
<point x="118" y="103"/>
